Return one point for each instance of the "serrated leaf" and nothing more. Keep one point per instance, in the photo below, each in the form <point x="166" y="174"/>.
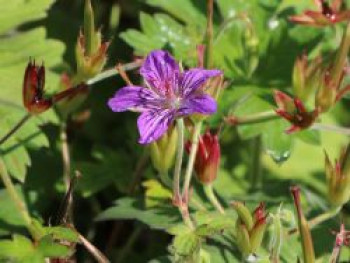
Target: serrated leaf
<point x="186" y="244"/>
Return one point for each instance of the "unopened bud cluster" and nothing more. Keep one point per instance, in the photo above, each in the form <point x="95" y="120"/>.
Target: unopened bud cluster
<point x="250" y="228"/>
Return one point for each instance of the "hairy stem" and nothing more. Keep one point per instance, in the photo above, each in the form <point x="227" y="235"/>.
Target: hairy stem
<point x="15" y="128"/>
<point x="331" y="128"/>
<point x="192" y="158"/>
<point x="251" y="119"/>
<point x="209" y="192"/>
<point x="20" y="205"/>
<point x="113" y="71"/>
<point x="180" y="202"/>
<point x="179" y="156"/>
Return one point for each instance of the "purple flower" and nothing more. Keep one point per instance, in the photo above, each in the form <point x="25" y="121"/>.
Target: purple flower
<point x="170" y="94"/>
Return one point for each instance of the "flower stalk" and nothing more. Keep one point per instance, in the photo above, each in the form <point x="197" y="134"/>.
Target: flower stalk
<point x="192" y="158"/>
<point x="209" y="192"/>
<point x="179" y="155"/>
<point x="179" y="201"/>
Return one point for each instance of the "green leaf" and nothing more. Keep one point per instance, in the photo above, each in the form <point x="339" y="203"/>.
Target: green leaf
<point x="184" y="10"/>
<point x="156" y="194"/>
<point x="101" y="172"/>
<point x="186" y="245"/>
<point x="128" y="208"/>
<point x="20" y="249"/>
<point x="10" y="219"/>
<point x="15" y="50"/>
<point x="17" y="12"/>
<point x="49" y="248"/>
<point x="62" y="233"/>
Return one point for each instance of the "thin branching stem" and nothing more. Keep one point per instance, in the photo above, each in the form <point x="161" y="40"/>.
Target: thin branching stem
<point x="209" y="192"/>
<point x="179" y="201"/>
<point x="15" y="128"/>
<point x="94" y="251"/>
<point x="192" y="158"/>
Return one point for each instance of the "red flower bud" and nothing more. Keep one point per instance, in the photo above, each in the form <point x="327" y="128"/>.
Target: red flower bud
<point x="207" y="158"/>
<point x="33" y="89"/>
<point x="327" y="14"/>
<point x="294" y="111"/>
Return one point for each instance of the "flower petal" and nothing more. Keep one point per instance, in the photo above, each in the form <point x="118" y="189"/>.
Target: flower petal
<point x="193" y="79"/>
<point x="133" y="98"/>
<point x="160" y="71"/>
<point x="153" y="124"/>
<point x="203" y="104"/>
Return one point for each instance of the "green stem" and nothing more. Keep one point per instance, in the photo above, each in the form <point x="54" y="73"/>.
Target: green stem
<point x="209" y="35"/>
<point x="324" y="217"/>
<point x="19" y="204"/>
<point x="179" y="154"/>
<point x="319" y="219"/>
<point x="209" y="192"/>
<point x="15" y="128"/>
<point x="331" y="128"/>
<point x="192" y="158"/>
<point x="178" y="199"/>
<point x="164" y="177"/>
<point x="252" y="119"/>
<point x="113" y="71"/>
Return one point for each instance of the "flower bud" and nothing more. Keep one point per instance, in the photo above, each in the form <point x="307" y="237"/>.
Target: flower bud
<point x="250" y="229"/>
<point x="338" y="178"/>
<point x="306" y="239"/>
<point x="306" y="77"/>
<point x="208" y="157"/>
<point x="33" y="89"/>
<point x="325" y="15"/>
<point x="242" y="237"/>
<point x="258" y="230"/>
<point x="294" y="111"/>
<point x="90" y="51"/>
<point x="163" y="151"/>
<point x="243" y="214"/>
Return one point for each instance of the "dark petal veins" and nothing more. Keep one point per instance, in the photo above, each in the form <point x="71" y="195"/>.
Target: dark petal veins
<point x="193" y="79"/>
<point x="202" y="103"/>
<point x="153" y="124"/>
<point x="160" y="71"/>
<point x="133" y="98"/>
